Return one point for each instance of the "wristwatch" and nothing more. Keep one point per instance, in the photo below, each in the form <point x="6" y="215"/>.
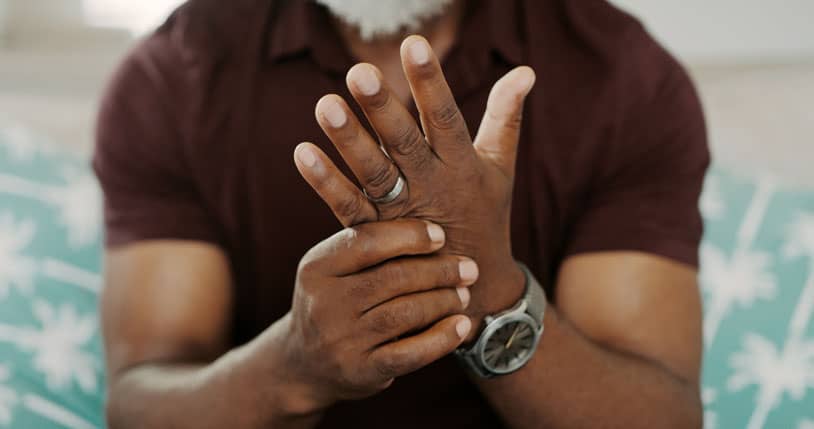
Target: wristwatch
<point x="509" y="339"/>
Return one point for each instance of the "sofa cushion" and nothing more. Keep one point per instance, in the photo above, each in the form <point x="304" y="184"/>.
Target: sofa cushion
<point x="757" y="276"/>
<point x="51" y="366"/>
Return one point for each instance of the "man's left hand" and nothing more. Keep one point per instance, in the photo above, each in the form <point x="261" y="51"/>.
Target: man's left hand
<point x="464" y="186"/>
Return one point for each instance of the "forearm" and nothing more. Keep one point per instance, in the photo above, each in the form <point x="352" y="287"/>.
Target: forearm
<point x="573" y="382"/>
<point x="240" y="390"/>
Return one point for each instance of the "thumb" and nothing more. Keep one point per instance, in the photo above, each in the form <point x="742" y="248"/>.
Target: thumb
<point x="499" y="131"/>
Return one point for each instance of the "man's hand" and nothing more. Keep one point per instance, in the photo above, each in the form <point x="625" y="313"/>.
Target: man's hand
<point x="465" y="188"/>
<point x="352" y="327"/>
<point x="371" y="303"/>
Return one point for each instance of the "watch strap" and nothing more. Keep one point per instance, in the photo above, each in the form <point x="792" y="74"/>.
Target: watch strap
<point x="534" y="296"/>
<point x="535" y="303"/>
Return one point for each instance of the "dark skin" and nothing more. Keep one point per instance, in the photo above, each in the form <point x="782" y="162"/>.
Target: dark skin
<point x="629" y="355"/>
<point x="621" y="346"/>
<point x="351" y="300"/>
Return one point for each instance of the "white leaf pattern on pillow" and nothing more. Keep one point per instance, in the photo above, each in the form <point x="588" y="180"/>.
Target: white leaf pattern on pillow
<point x="775" y="372"/>
<point x="78" y="203"/>
<point x="740" y="279"/>
<point x="791" y="369"/>
<point x="57" y="347"/>
<point x="8" y="397"/>
<point x="805" y="424"/>
<point x="16" y="269"/>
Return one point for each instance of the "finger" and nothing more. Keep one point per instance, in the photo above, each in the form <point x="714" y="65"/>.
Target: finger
<point x="441" y="119"/>
<point x="410" y="313"/>
<point x="356" y="248"/>
<point x="499" y="132"/>
<point x="407" y="355"/>
<point x="375" y="171"/>
<point x="410" y="275"/>
<point x="397" y="130"/>
<point x="345" y="200"/>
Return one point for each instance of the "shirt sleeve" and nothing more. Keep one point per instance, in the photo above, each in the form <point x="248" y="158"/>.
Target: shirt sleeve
<point x="646" y="199"/>
<point x="139" y="158"/>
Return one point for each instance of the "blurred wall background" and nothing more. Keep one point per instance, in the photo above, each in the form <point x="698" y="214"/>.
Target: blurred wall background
<point x="753" y="61"/>
<point x="731" y="31"/>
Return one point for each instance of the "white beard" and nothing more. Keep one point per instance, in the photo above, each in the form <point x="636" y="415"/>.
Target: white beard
<point x="383" y="18"/>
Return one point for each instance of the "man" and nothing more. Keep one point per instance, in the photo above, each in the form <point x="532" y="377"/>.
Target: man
<point x="227" y="306"/>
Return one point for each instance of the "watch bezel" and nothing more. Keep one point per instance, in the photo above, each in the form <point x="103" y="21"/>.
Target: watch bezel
<point x="497" y="323"/>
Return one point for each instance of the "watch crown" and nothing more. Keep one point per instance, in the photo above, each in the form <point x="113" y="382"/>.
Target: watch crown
<point x="488" y="319"/>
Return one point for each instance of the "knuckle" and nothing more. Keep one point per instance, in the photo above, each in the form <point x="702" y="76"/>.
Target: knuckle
<point x="448" y="273"/>
<point x="514" y="122"/>
<point x="349" y="134"/>
<point x="391" y="364"/>
<point x="352" y="237"/>
<point x="446" y="117"/>
<point x="427" y="71"/>
<point x="308" y="265"/>
<point x="363" y="288"/>
<point x="379" y="102"/>
<point x="410" y="314"/>
<point x="385" y="322"/>
<point x="407" y="140"/>
<point x="393" y="274"/>
<point x="378" y="178"/>
<point x="350" y="207"/>
<point x="364" y="244"/>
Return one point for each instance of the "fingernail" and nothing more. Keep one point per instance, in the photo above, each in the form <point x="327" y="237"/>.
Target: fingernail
<point x="468" y="271"/>
<point x="436" y="233"/>
<point x="307" y="156"/>
<point x="463" y="327"/>
<point x="419" y="51"/>
<point x="525" y="83"/>
<point x="464" y="295"/>
<point x="333" y="112"/>
<point x="366" y="80"/>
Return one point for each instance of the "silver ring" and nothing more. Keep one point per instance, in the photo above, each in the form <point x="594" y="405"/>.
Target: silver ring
<point x="391" y="196"/>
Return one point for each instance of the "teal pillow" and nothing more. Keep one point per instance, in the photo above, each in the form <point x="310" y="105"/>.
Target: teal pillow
<point x="757" y="277"/>
<point x="51" y="368"/>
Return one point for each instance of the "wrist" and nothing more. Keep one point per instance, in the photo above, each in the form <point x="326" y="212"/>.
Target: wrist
<point x="291" y="396"/>
<point x="501" y="285"/>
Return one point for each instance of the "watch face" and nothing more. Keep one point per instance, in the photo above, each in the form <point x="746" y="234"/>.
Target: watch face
<point x="509" y="346"/>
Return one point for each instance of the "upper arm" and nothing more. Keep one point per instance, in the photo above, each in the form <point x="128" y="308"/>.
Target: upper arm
<point x="629" y="277"/>
<point x="638" y="304"/>
<point x="168" y="291"/>
<point x="167" y="301"/>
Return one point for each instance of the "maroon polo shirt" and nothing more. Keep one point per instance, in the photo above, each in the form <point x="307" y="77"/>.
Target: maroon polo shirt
<point x="197" y="130"/>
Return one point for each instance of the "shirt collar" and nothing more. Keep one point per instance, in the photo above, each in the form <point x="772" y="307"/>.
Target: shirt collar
<point x="302" y="26"/>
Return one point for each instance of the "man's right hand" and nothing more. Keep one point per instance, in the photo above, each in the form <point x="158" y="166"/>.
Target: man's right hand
<point x="360" y="318"/>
